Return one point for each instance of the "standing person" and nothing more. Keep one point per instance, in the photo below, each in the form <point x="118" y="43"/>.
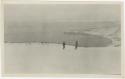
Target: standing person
<point x="63" y="45"/>
<point x="76" y="45"/>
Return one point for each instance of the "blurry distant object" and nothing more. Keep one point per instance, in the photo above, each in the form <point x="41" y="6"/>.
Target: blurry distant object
<point x="63" y="45"/>
<point x="76" y="44"/>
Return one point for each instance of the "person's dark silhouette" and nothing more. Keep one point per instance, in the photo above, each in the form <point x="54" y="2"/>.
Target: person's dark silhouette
<point x="76" y="44"/>
<point x="63" y="45"/>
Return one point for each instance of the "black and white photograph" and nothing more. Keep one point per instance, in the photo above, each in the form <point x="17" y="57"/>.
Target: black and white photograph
<point x="62" y="38"/>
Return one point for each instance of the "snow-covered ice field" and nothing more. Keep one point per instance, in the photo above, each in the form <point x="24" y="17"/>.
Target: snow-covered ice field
<point x="36" y="58"/>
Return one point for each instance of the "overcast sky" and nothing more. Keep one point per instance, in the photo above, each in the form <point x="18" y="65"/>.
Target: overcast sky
<point x="61" y="12"/>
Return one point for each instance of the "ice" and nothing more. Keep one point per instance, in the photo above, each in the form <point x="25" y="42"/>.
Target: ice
<point x="36" y="58"/>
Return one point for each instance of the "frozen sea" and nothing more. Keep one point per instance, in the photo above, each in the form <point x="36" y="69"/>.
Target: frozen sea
<point x="36" y="58"/>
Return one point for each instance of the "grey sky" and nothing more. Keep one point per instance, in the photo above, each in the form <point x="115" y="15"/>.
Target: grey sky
<point x="62" y="12"/>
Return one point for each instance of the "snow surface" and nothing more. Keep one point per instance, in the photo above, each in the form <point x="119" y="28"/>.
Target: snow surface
<point x="36" y="58"/>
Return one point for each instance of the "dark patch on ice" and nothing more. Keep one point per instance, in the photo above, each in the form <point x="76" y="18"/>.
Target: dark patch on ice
<point x="88" y="40"/>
